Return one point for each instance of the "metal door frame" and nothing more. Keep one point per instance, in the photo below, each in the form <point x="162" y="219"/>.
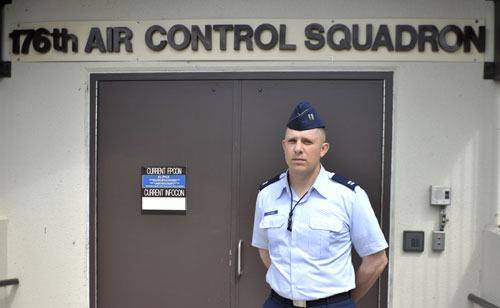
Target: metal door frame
<point x="386" y="77"/>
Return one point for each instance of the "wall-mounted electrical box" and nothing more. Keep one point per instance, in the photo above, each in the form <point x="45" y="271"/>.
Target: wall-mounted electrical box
<point x="438" y="238"/>
<point x="440" y="195"/>
<point x="413" y="241"/>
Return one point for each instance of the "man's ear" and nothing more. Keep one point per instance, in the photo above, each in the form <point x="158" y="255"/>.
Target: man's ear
<point x="324" y="148"/>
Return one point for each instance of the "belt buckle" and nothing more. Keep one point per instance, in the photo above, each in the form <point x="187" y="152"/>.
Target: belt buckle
<point x="299" y="303"/>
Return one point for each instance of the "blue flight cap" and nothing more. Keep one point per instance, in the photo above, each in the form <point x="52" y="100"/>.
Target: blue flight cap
<point x="304" y="117"/>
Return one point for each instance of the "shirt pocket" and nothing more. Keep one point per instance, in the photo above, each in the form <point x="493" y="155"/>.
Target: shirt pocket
<point x="325" y="232"/>
<point x="274" y="226"/>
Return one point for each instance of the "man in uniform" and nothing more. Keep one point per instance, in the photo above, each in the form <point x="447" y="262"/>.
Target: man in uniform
<point x="306" y="221"/>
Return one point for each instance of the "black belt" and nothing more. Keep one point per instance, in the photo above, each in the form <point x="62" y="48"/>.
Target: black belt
<point x="318" y="302"/>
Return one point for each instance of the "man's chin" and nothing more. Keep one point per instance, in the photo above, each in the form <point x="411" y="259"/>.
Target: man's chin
<point x="300" y="169"/>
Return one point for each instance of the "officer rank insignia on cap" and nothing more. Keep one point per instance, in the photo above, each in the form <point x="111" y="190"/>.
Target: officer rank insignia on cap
<point x="305" y="117"/>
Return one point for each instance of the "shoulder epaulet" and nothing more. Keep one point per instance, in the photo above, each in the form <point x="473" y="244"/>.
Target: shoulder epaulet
<point x="342" y="180"/>
<point x="269" y="182"/>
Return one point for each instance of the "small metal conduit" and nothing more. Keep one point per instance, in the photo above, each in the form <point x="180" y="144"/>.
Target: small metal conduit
<point x="481" y="302"/>
<point x="9" y="282"/>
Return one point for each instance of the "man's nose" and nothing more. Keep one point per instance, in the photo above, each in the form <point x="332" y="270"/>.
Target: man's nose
<point x="298" y="147"/>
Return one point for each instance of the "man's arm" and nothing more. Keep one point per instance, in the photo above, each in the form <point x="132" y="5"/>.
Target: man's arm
<point x="371" y="267"/>
<point x="264" y="256"/>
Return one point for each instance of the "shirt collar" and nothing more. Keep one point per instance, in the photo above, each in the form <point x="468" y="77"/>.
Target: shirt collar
<point x="283" y="186"/>
<point x="321" y="183"/>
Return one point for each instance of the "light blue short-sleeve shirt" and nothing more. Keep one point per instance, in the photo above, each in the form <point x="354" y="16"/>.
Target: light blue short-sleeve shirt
<point x="314" y="260"/>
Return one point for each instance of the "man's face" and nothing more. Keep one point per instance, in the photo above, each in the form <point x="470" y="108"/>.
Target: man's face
<point x="304" y="149"/>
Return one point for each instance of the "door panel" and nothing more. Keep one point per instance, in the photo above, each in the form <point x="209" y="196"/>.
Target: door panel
<point x="149" y="260"/>
<point x="227" y="130"/>
<point x="352" y="111"/>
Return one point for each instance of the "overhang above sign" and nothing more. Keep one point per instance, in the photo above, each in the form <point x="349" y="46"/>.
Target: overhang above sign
<point x="430" y="40"/>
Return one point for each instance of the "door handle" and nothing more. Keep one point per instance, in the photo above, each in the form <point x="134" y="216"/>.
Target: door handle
<point x="240" y="272"/>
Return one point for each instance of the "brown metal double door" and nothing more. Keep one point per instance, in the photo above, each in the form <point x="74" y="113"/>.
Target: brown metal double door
<point x="227" y="130"/>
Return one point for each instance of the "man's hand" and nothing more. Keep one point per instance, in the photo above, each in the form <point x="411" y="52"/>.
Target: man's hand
<point x="371" y="267"/>
<point x="264" y="256"/>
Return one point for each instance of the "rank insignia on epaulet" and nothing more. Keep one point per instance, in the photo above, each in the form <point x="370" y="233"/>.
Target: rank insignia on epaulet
<point x="342" y="180"/>
<point x="269" y="182"/>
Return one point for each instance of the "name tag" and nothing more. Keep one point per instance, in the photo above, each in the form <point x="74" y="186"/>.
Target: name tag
<point x="271" y="213"/>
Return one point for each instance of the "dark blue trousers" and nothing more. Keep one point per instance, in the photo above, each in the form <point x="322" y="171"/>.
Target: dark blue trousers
<point x="274" y="303"/>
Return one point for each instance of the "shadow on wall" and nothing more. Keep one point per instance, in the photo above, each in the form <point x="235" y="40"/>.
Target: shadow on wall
<point x="490" y="269"/>
<point x="477" y="220"/>
<point x="9" y="294"/>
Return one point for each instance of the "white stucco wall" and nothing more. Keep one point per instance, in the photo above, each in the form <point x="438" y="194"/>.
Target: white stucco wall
<point x="446" y="132"/>
<point x="490" y="271"/>
<point x="3" y="259"/>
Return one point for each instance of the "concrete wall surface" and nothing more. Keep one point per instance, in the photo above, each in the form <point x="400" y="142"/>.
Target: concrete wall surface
<point x="446" y="132"/>
<point x="490" y="267"/>
<point x="3" y="259"/>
